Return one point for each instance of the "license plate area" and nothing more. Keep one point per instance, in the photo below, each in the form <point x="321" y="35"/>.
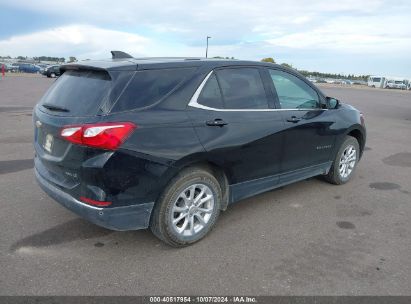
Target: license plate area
<point x="48" y="143"/>
<point x="48" y="140"/>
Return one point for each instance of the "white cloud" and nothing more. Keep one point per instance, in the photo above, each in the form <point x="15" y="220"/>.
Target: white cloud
<point x="223" y="19"/>
<point x="367" y="35"/>
<point x="240" y="28"/>
<point x="91" y="41"/>
<point x="301" y="19"/>
<point x="85" y="41"/>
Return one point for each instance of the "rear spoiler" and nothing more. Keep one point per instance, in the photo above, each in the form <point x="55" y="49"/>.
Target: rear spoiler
<point x="104" y="65"/>
<point x="77" y="67"/>
<point x="80" y="67"/>
<point x="120" y="55"/>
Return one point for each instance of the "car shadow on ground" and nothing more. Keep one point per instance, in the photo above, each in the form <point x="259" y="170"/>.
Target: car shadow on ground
<point x="79" y="229"/>
<point x="76" y="229"/>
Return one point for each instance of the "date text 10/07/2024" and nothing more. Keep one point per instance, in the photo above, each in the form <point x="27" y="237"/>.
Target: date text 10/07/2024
<point x="200" y="299"/>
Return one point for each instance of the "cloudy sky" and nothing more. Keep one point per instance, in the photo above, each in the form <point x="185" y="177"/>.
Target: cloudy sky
<point x="344" y="36"/>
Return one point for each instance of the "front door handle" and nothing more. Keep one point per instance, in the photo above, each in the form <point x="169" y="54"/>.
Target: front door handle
<point x="293" y="119"/>
<point x="218" y="122"/>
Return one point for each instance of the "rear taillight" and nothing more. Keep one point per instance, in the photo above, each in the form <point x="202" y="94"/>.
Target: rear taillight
<point x="103" y="135"/>
<point x="362" y="119"/>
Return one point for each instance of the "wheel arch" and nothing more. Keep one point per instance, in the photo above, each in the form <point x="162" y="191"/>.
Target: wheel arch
<point x="359" y="134"/>
<point x="200" y="161"/>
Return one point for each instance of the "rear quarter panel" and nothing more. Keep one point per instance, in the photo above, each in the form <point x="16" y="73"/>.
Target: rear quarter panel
<point x="153" y="154"/>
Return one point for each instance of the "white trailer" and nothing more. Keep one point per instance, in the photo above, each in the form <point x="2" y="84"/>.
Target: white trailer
<point x="376" y="81"/>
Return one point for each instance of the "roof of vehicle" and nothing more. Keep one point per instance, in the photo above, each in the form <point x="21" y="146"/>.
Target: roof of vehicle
<point x="158" y="62"/>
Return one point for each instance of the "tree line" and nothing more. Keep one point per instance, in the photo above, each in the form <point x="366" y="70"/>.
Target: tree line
<point x="268" y="59"/>
<point x="43" y="58"/>
<point x="319" y="74"/>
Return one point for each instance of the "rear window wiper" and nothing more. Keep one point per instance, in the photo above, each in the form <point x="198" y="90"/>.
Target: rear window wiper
<point x="55" y="108"/>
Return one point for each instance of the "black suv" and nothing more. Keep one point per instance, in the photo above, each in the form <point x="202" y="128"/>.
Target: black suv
<point x="52" y="71"/>
<point x="167" y="143"/>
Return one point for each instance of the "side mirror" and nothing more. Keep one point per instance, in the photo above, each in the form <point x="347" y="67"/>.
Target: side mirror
<point x="332" y="103"/>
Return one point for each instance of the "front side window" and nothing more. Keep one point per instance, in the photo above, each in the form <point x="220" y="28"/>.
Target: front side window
<point x="242" y="88"/>
<point x="292" y="92"/>
<point x="235" y="88"/>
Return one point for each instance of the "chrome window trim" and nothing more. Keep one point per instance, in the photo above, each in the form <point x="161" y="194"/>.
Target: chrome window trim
<point x="194" y="104"/>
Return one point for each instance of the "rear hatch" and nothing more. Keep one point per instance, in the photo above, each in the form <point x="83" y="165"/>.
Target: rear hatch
<point x="80" y="96"/>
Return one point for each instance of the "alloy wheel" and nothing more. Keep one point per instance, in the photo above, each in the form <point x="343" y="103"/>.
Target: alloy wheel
<point x="192" y="210"/>
<point x="347" y="161"/>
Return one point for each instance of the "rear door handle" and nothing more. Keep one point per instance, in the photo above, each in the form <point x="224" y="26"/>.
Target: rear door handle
<point x="293" y="119"/>
<point x="218" y="122"/>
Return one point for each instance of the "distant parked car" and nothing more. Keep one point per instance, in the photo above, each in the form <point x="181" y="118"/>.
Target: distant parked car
<point x="359" y="82"/>
<point x="43" y="67"/>
<point x="312" y="79"/>
<point x="11" y="68"/>
<point x="15" y="67"/>
<point x="52" y="71"/>
<point x="347" y="82"/>
<point x="27" y="67"/>
<point x="395" y="84"/>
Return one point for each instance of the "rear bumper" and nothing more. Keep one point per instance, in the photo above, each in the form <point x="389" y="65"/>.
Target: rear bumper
<point x="132" y="217"/>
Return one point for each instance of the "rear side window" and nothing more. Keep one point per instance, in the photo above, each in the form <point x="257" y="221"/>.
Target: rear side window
<point x="211" y="95"/>
<point x="150" y="86"/>
<point x="81" y="92"/>
<point x="242" y="88"/>
<point x="293" y="93"/>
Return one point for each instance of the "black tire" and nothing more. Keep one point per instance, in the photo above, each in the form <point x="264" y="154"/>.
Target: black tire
<point x="52" y="75"/>
<point x="334" y="176"/>
<point x="161" y="220"/>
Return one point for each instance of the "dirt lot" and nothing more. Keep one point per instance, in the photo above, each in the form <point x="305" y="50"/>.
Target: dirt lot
<point x="310" y="238"/>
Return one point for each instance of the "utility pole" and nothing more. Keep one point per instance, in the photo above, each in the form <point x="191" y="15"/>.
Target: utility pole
<point x="208" y="37"/>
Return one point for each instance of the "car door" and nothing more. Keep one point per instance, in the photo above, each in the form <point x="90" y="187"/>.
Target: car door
<point x="233" y="116"/>
<point x="309" y="139"/>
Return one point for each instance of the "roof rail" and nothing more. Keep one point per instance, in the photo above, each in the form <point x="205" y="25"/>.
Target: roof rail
<point x="165" y="58"/>
<point x="120" y="55"/>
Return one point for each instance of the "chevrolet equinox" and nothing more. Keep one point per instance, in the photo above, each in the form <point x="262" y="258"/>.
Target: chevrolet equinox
<point x="168" y="143"/>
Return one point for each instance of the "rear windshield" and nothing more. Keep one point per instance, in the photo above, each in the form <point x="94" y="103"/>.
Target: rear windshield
<point x="83" y="92"/>
<point x="150" y="86"/>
